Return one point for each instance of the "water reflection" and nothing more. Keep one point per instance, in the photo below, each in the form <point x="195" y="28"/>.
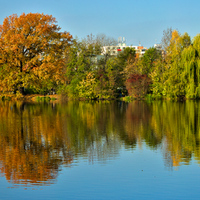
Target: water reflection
<point x="32" y="143"/>
<point x="36" y="140"/>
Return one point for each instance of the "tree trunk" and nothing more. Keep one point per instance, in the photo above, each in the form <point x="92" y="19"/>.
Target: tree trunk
<point x="21" y="88"/>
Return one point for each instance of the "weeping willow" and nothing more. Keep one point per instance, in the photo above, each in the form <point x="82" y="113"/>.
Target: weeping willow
<point x="191" y="65"/>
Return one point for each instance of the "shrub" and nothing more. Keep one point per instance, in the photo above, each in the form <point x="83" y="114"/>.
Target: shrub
<point x="137" y="85"/>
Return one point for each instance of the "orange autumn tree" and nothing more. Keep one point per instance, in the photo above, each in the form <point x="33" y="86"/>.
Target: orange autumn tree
<point x="32" y="50"/>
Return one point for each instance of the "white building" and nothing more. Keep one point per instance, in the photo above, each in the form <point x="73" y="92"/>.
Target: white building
<point x="158" y="47"/>
<point x="114" y="50"/>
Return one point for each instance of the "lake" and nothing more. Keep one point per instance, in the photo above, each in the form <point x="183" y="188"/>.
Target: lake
<point x="100" y="150"/>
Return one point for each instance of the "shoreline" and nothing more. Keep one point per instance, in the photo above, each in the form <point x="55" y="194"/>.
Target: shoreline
<point x="31" y="97"/>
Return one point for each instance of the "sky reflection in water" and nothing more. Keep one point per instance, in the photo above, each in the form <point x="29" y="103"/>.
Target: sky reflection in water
<point x="100" y="150"/>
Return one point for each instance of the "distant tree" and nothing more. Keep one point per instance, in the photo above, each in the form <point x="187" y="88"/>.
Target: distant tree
<point x="104" y="40"/>
<point x="185" y="41"/>
<point x="149" y="59"/>
<point x="167" y="35"/>
<point x="127" y="53"/>
<point x="31" y="51"/>
<point x="100" y="39"/>
<point x="133" y="66"/>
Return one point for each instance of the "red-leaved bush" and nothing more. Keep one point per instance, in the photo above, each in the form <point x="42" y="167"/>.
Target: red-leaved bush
<point x="138" y="85"/>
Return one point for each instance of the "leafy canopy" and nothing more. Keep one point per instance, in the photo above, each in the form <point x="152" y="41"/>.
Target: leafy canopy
<point x="31" y="51"/>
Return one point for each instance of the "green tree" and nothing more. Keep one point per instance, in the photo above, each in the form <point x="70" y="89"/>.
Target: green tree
<point x="191" y="65"/>
<point x="87" y="87"/>
<point x="125" y="55"/>
<point x="109" y="79"/>
<point x="149" y="59"/>
<point x="175" y="85"/>
<point x="167" y="76"/>
<point x="78" y="63"/>
<point x="158" y="78"/>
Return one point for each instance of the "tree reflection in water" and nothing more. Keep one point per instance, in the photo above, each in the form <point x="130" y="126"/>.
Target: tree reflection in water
<point x="30" y="150"/>
<point x="37" y="139"/>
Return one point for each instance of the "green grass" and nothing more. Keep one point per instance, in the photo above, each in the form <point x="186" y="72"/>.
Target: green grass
<point x="39" y="99"/>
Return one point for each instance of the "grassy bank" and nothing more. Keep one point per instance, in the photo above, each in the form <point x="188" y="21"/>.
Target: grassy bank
<point x="30" y="97"/>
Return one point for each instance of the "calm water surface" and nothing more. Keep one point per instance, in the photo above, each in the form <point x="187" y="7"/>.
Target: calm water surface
<point x="100" y="150"/>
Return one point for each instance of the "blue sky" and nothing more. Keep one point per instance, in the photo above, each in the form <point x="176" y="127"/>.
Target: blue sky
<point x="137" y="20"/>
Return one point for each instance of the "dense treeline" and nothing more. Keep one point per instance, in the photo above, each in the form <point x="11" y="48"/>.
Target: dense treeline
<point x="90" y="75"/>
<point x="172" y="72"/>
<point x="177" y="73"/>
<point x="35" y="57"/>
